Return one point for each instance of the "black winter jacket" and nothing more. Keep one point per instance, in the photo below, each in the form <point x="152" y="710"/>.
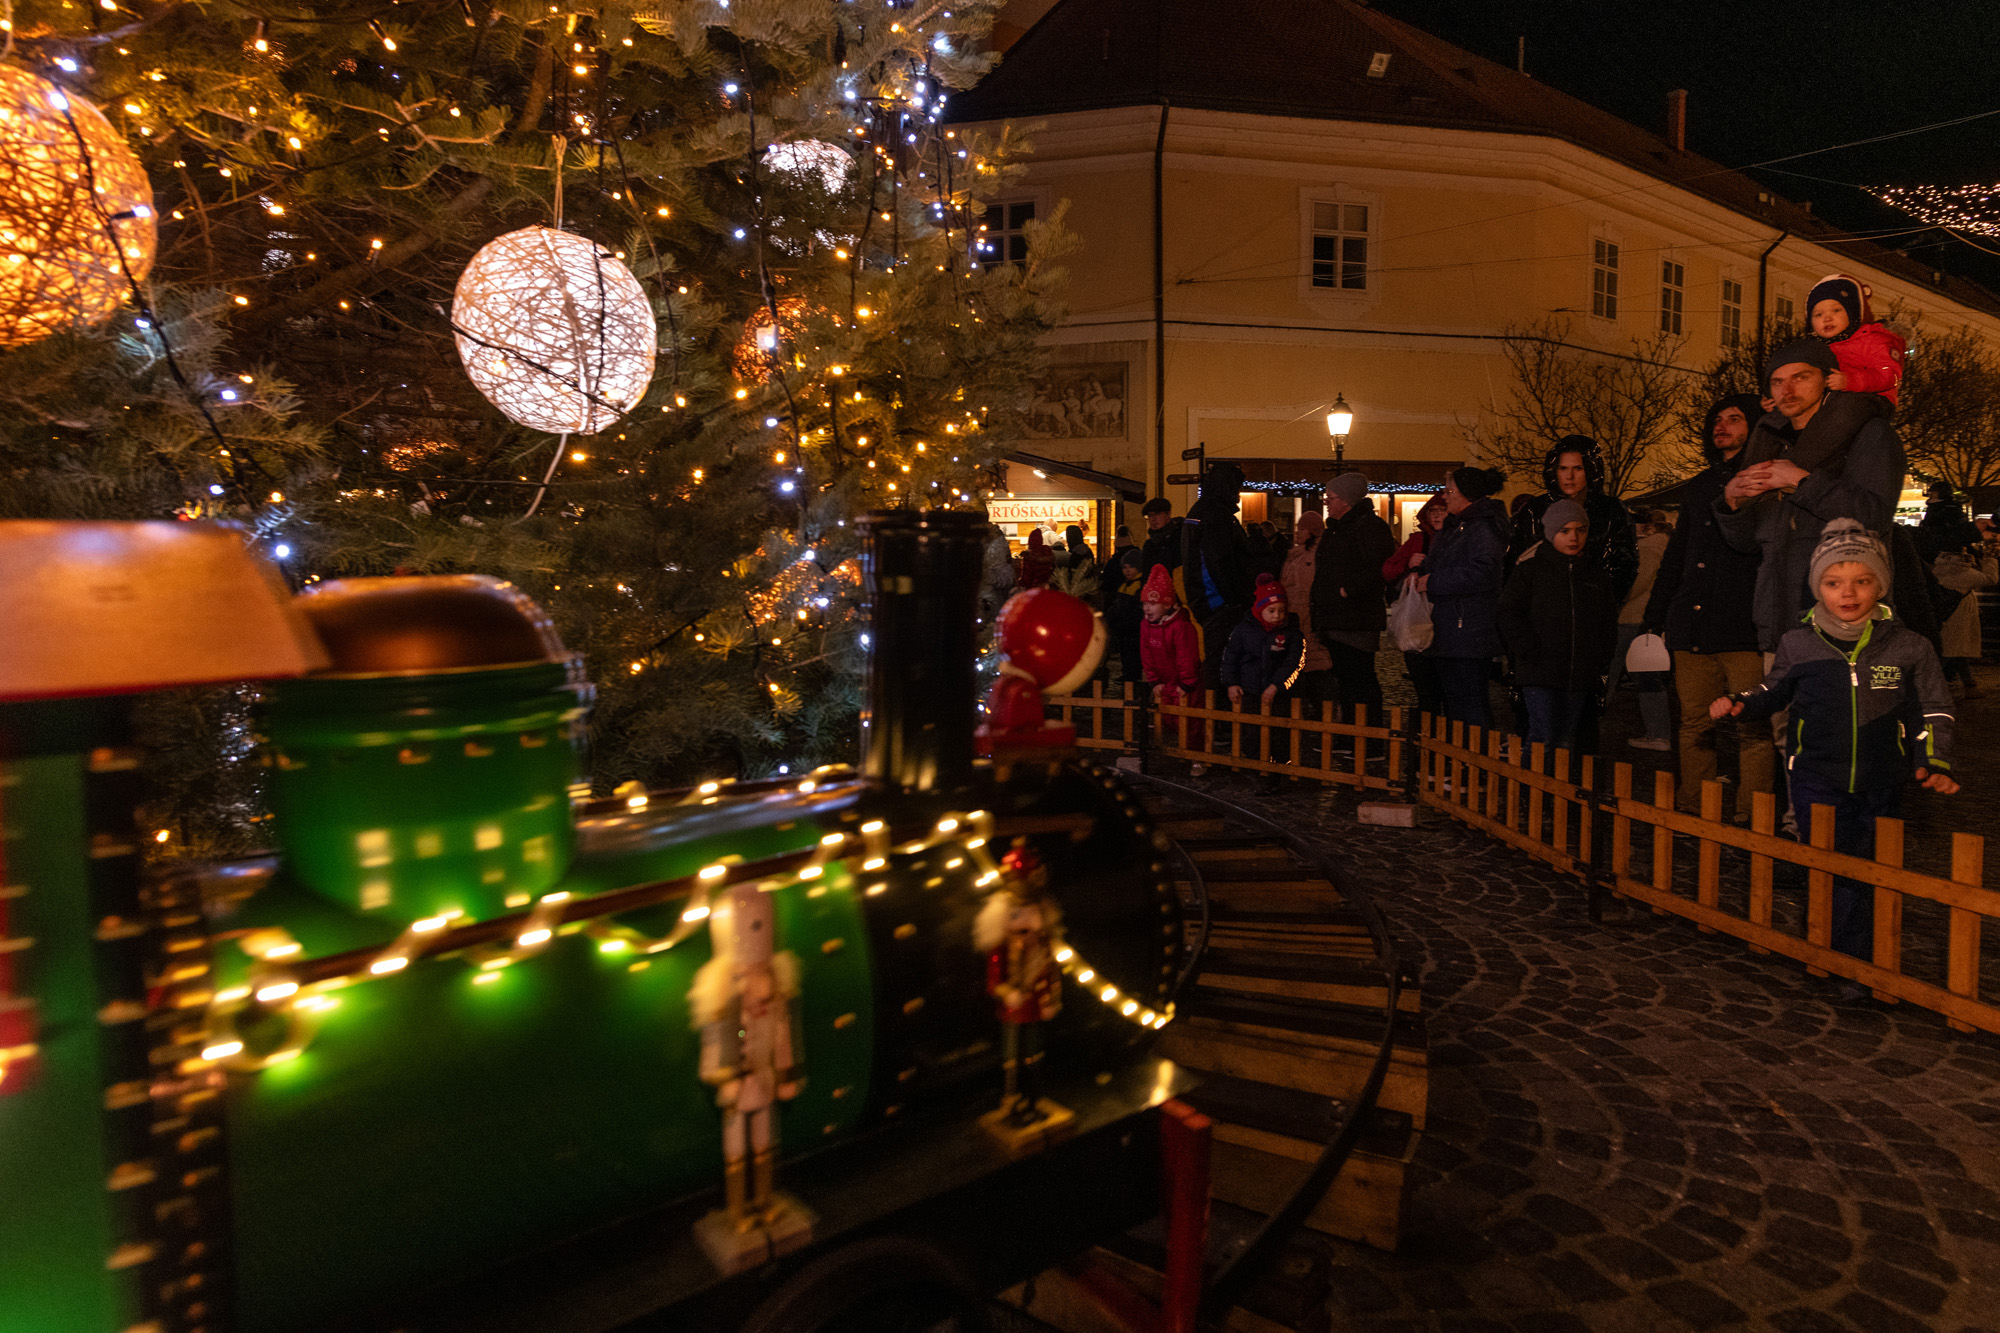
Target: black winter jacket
<point x="1613" y="542"/>
<point x="1559" y="620"/>
<point x="1348" y="592"/>
<point x="1855" y="469"/>
<point x="1465" y="571"/>
<point x="1862" y="714"/>
<point x="1257" y="655"/>
<point x="1216" y="560"/>
<point x="1163" y="547"/>
<point x="1704" y="597"/>
<point x="1122" y="612"/>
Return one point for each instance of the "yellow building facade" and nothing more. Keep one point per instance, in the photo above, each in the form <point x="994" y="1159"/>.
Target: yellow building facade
<point x="1243" y="262"/>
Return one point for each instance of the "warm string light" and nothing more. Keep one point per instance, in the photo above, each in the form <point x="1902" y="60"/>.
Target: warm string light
<point x="900" y="100"/>
<point x="866" y="853"/>
<point x="1973" y="208"/>
<point x="77" y="228"/>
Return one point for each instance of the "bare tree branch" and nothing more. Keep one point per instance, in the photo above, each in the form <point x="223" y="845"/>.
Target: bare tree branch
<point x="1631" y="404"/>
<point x="1948" y="411"/>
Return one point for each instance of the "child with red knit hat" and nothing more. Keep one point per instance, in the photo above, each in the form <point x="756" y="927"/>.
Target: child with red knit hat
<point x="1262" y="660"/>
<point x="1170" y="649"/>
<point x="1870" y="356"/>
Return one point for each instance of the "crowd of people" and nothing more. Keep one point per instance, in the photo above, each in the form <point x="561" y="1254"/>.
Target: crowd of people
<point x="1783" y="610"/>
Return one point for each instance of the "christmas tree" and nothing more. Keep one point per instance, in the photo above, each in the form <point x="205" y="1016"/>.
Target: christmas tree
<point x="775" y="174"/>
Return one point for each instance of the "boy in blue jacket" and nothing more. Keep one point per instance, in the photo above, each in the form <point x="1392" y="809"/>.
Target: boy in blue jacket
<point x="1868" y="703"/>
<point x="1262" y="660"/>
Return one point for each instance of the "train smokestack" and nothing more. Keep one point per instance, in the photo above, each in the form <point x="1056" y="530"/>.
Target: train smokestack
<point x="921" y="572"/>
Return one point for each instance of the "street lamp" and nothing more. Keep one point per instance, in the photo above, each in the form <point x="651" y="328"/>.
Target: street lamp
<point x="1338" y="421"/>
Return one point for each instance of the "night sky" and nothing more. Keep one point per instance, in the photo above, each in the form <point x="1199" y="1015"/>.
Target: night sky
<point x="1768" y="79"/>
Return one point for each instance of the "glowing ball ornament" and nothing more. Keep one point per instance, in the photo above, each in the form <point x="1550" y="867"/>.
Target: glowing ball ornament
<point x="76" y="211"/>
<point x="555" y="331"/>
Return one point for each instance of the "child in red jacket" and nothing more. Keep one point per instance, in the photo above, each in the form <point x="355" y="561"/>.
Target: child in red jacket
<point x="1870" y="356"/>
<point x="1170" y="650"/>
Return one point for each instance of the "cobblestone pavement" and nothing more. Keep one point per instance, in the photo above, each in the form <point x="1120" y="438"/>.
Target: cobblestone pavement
<point x="1637" y="1126"/>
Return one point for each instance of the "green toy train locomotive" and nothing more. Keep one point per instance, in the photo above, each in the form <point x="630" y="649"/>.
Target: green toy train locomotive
<point x="473" y="1050"/>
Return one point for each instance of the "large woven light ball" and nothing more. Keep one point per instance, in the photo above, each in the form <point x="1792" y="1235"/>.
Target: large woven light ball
<point x="555" y="331"/>
<point x="76" y="211"/>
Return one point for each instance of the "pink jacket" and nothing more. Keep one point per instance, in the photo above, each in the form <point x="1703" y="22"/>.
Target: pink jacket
<point x="1872" y="359"/>
<point x="1870" y="356"/>
<point x="1170" y="652"/>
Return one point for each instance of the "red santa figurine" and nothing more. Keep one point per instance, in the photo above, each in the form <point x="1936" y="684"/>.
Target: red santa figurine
<point x="1019" y="929"/>
<point x="1048" y="641"/>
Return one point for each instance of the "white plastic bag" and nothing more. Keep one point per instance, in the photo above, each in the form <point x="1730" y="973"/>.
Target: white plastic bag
<point x="1648" y="653"/>
<point x="1410" y="620"/>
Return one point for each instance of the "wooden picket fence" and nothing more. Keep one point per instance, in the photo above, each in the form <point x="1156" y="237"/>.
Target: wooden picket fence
<point x="1102" y="721"/>
<point x="1548" y="804"/>
<point x="1530" y="803"/>
<point x="1498" y="785"/>
<point x="1211" y="732"/>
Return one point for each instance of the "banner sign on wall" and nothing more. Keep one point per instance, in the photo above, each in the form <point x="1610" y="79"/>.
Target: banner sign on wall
<point x="1060" y="513"/>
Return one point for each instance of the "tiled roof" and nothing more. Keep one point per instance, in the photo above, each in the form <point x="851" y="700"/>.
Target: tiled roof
<point x="1310" y="59"/>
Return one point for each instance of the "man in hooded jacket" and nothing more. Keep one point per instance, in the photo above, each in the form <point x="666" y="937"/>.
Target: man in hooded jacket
<point x="1216" y="565"/>
<point x="1574" y="470"/>
<point x="1702" y="604"/>
<point x="1349" y="609"/>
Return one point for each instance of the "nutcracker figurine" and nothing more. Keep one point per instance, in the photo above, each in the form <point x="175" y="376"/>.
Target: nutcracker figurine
<point x="745" y="1004"/>
<point x="1048" y="641"/>
<point x="1020" y="931"/>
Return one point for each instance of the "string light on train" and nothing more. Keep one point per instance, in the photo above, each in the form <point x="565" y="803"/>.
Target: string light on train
<point x="273" y="989"/>
<point x="1073" y="964"/>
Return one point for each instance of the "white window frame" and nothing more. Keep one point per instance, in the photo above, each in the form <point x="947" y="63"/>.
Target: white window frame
<point x="1371" y="287"/>
<point x="1789" y="317"/>
<point x="1671" y="265"/>
<point x="1723" y="306"/>
<point x="1033" y="197"/>
<point x="1621" y="298"/>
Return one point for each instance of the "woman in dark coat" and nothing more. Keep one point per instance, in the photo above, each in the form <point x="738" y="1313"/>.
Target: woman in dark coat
<point x="1462" y="576"/>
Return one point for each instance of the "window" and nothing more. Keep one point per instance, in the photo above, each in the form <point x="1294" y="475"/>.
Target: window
<point x="1001" y="239"/>
<point x="1732" y="313"/>
<point x="1781" y="307"/>
<point x="1673" y="295"/>
<point x="1340" y="246"/>
<point x="1604" y="280"/>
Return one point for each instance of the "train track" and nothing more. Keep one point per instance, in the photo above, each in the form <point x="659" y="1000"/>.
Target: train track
<point x="1309" y="1039"/>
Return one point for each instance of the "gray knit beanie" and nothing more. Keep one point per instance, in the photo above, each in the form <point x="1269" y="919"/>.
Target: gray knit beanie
<point x="1845" y="539"/>
<point x="1351" y="487"/>
<point x="1560" y="515"/>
